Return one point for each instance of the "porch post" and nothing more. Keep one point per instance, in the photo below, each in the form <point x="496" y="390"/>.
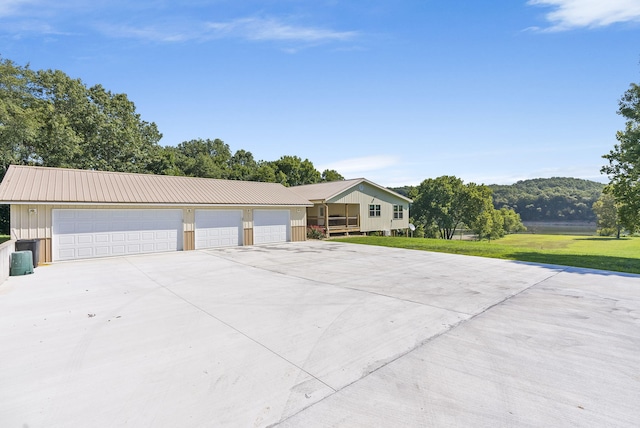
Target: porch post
<point x="346" y="217"/>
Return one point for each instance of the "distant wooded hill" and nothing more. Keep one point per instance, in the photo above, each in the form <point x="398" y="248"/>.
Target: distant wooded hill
<point x="550" y="199"/>
<point x="543" y="199"/>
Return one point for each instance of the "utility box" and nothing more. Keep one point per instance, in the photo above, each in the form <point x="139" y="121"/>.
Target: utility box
<point x="21" y="263"/>
<point x="32" y="245"/>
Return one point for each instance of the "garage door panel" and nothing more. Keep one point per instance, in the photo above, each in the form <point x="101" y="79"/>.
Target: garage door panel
<point x="114" y="232"/>
<point x="66" y="215"/>
<point x="101" y="226"/>
<point x="102" y="238"/>
<point x="85" y="239"/>
<point x="85" y="252"/>
<point x="85" y="215"/>
<point x="133" y="248"/>
<point x="133" y="236"/>
<point x="102" y="251"/>
<point x="149" y="247"/>
<point x="67" y="228"/>
<point x="218" y="228"/>
<point x="84" y="227"/>
<point x="67" y="254"/>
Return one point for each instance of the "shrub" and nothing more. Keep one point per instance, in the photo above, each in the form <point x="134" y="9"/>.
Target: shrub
<point x="315" y="232"/>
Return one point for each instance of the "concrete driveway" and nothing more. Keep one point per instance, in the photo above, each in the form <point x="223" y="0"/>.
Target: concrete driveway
<point x="318" y="334"/>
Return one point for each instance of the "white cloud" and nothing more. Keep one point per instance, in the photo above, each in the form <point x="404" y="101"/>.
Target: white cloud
<point x="13" y="7"/>
<point x="43" y="16"/>
<point x="569" y="14"/>
<point x="148" y="33"/>
<point x="260" y="29"/>
<point x="252" y="29"/>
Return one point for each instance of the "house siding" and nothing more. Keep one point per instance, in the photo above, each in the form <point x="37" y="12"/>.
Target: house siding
<point x="370" y="195"/>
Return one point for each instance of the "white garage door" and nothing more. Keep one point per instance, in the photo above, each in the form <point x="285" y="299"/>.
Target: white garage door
<point x="82" y="234"/>
<point x="218" y="228"/>
<point x="270" y="226"/>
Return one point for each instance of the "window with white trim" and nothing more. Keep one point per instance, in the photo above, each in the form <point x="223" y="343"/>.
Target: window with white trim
<point x="398" y="212"/>
<point x="374" y="210"/>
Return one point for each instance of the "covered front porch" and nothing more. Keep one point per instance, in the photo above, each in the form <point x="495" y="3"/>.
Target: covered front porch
<point x="335" y="218"/>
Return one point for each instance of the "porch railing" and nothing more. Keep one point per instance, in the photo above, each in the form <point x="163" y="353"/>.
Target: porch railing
<point x="336" y="222"/>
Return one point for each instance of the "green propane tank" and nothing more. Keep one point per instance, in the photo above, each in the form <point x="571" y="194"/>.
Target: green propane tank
<point x="21" y="263"/>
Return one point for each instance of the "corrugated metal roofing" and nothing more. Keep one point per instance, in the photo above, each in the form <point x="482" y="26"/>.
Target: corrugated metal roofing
<point x="60" y="185"/>
<point x="326" y="191"/>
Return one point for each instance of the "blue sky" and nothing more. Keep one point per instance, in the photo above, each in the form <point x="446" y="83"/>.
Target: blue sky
<point x="394" y="91"/>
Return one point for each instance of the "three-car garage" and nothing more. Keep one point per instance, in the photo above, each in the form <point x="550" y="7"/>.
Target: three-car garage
<point x="81" y="214"/>
<point x="89" y="233"/>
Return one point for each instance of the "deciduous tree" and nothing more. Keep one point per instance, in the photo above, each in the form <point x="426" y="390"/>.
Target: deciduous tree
<point x="49" y="119"/>
<point x="624" y="162"/>
<point x="18" y="122"/>
<point x="607" y="212"/>
<point x="331" y="175"/>
<point x="511" y="221"/>
<point x="293" y="171"/>
<point x="448" y="203"/>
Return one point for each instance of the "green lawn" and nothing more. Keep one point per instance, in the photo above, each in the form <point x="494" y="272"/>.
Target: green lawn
<point x="622" y="255"/>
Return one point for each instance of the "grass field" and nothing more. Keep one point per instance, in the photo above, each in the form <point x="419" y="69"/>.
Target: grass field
<point x="622" y="255"/>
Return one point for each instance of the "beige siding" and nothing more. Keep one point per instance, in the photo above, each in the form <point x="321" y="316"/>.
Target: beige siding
<point x="248" y="236"/>
<point x="247" y="219"/>
<point x="189" y="220"/>
<point x="370" y="195"/>
<point x="46" y="252"/>
<point x="298" y="233"/>
<point x="299" y="217"/>
<point x="189" y="241"/>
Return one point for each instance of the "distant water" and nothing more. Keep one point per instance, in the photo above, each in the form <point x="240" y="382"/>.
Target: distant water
<point x="561" y="227"/>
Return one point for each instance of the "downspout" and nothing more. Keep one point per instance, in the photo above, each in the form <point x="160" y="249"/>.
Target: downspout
<point x="326" y="219"/>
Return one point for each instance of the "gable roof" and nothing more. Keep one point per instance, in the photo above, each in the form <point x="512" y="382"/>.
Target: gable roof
<point x="29" y="184"/>
<point x="325" y="191"/>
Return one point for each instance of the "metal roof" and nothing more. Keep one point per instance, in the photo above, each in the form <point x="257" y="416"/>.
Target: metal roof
<point x="326" y="191"/>
<point x="29" y="184"/>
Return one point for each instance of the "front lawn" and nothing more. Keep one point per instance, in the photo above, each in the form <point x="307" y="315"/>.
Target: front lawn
<point x="622" y="255"/>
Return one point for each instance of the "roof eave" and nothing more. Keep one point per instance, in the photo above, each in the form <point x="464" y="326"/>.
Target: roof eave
<point x="155" y="204"/>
